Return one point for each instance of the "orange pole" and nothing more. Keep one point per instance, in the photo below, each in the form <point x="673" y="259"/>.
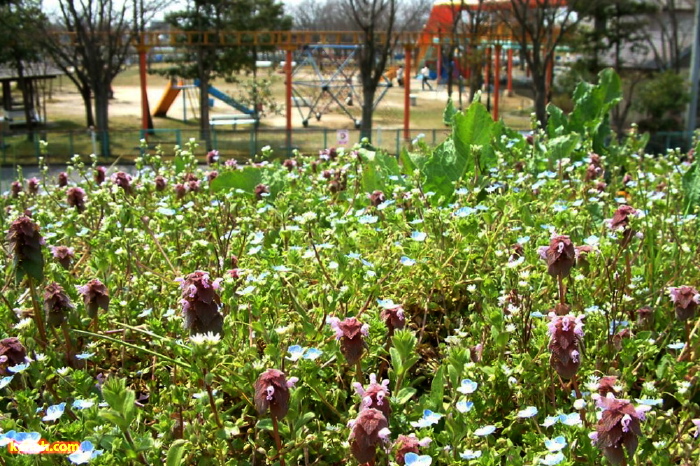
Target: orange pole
<point x="496" y="82"/>
<point x="407" y="94"/>
<point x="145" y="112"/>
<point x="288" y="96"/>
<point x="510" y="72"/>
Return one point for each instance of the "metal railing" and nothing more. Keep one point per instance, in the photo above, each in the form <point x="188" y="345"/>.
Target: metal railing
<point x="241" y="144"/>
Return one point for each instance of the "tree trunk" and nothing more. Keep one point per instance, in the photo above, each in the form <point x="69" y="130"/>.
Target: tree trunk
<point x="87" y="101"/>
<point x="205" y="128"/>
<point x="367" y="110"/>
<point x="26" y="99"/>
<point x="539" y="88"/>
<point x="102" y="116"/>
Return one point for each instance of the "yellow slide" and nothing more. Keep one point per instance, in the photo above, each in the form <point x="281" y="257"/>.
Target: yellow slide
<point x="171" y="93"/>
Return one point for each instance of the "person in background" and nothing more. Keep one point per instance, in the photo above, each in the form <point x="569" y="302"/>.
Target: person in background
<point x="399" y="76"/>
<point x="425" y="72"/>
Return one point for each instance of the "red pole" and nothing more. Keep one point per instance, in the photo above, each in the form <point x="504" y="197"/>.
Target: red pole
<point x="288" y="96"/>
<point x="145" y="112"/>
<point x="510" y="72"/>
<point x="407" y="95"/>
<point x="496" y="82"/>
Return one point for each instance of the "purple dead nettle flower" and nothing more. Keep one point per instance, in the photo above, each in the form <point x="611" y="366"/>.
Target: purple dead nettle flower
<point x="369" y="429"/>
<point x="686" y="300"/>
<point x="376" y="198"/>
<point x="63" y="254"/>
<point x="409" y="444"/>
<point x="595" y="168"/>
<point x="12" y="352"/>
<point x="696" y="423"/>
<point x="375" y="396"/>
<point x="620" y="223"/>
<point x="645" y="318"/>
<point x="289" y="164"/>
<point x="62" y="179"/>
<point x="212" y="157"/>
<point x="560" y="256"/>
<point x="261" y="190"/>
<point x="565" y="335"/>
<point x="123" y="180"/>
<point x="95" y="296"/>
<point x="231" y="163"/>
<point x="393" y="317"/>
<point x="180" y="190"/>
<point x="25" y="243"/>
<point x="33" y="185"/>
<point x="328" y="154"/>
<point x="272" y="392"/>
<point x="16" y="188"/>
<point x="76" y="198"/>
<point x="211" y="175"/>
<point x="56" y="305"/>
<point x="160" y="183"/>
<point x="100" y="175"/>
<point x="200" y="303"/>
<point x="350" y="332"/>
<point x="620" y="425"/>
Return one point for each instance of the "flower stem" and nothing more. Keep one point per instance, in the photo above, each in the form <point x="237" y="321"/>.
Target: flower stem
<point x="69" y="344"/>
<point x="38" y="317"/>
<point x="358" y="371"/>
<point x="278" y="441"/>
<point x="211" y="401"/>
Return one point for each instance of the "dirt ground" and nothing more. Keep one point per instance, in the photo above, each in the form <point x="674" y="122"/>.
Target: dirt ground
<point x="66" y="104"/>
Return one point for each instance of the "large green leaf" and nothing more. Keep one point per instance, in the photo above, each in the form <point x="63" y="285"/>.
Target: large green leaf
<point x="562" y="146"/>
<point x="691" y="186"/>
<point x="449" y="113"/>
<point x="246" y="180"/>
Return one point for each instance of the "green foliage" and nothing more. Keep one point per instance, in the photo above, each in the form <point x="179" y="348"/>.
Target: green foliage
<point x="246" y="180"/>
<point x="663" y="98"/>
<point x="691" y="186"/>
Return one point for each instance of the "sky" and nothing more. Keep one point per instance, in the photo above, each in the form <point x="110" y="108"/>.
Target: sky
<point x="52" y="6"/>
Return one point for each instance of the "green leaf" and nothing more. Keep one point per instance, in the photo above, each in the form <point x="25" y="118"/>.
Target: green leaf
<point x="404" y="395"/>
<point x="691" y="186"/>
<point x="121" y="403"/>
<point x="408" y="165"/>
<point x="264" y="424"/>
<point x="561" y="147"/>
<point x="245" y="180"/>
<point x="303" y="420"/>
<point x="437" y="389"/>
<point x="176" y="452"/>
<point x="371" y="179"/>
<point x="449" y="113"/>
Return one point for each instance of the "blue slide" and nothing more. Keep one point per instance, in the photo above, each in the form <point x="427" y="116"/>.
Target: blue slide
<point x="227" y="99"/>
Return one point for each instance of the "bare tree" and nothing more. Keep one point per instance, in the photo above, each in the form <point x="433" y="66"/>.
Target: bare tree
<point x="539" y="26"/>
<point x="671" y="32"/>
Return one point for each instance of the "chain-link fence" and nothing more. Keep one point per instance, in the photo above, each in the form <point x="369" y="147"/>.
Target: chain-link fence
<point x="239" y="143"/>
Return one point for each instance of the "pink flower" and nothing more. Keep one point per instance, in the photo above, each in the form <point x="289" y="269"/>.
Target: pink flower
<point x="62" y="179"/>
<point x="375" y="396"/>
<point x="619" y="426"/>
<point x="63" y="254"/>
<point x="123" y="180"/>
<point x="409" y="444"/>
<point x="272" y="392"/>
<point x="95" y="295"/>
<point x="376" y="198"/>
<point x="13" y="352"/>
<point x="565" y="335"/>
<point x="76" y="198"/>
<point x="350" y="332"/>
<point x="200" y="304"/>
<point x="560" y="256"/>
<point x="180" y="190"/>
<point x="394" y="318"/>
<point x="160" y="183"/>
<point x="100" y="175"/>
<point x="56" y="305"/>
<point x="261" y="190"/>
<point x="33" y="185"/>
<point x="212" y="157"/>
<point x="686" y="300"/>
<point x="16" y="188"/>
<point x="369" y="429"/>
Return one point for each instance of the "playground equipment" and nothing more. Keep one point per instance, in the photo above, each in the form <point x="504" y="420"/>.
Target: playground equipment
<point x="325" y="77"/>
<point x="173" y="90"/>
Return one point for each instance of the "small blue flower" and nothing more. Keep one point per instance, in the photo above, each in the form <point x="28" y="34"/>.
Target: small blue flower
<point x="312" y="354"/>
<point x="418" y="236"/>
<point x="552" y="459"/>
<point x="571" y="419"/>
<point x="367" y="219"/>
<point x="464" y="212"/>
<point x="352" y="255"/>
<point x="412" y="459"/>
<point x="54" y="412"/>
<point x="84" y="355"/>
<point x="416" y="221"/>
<point x="245" y="291"/>
<point x="84" y="453"/>
<point x="550" y="421"/>
<point x="19" y="368"/>
<point x="523" y="239"/>
<point x="555" y="444"/>
<point x="674" y="346"/>
<point x="5" y="381"/>
<point x="296" y="352"/>
<point x="592" y="240"/>
<point x="407" y="261"/>
<point x="83" y="404"/>
<point x="281" y="268"/>
<point x="484" y="431"/>
<point x="464" y="406"/>
<point x="528" y="412"/>
<point x="429" y="418"/>
<point x="536" y="314"/>
<point x="254" y="250"/>
<point x="650" y="402"/>
<point x="470" y="454"/>
<point x="468" y="387"/>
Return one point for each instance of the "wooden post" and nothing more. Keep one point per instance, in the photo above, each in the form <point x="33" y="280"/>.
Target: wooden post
<point x="510" y="72"/>
<point x="407" y="93"/>
<point x="496" y="81"/>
